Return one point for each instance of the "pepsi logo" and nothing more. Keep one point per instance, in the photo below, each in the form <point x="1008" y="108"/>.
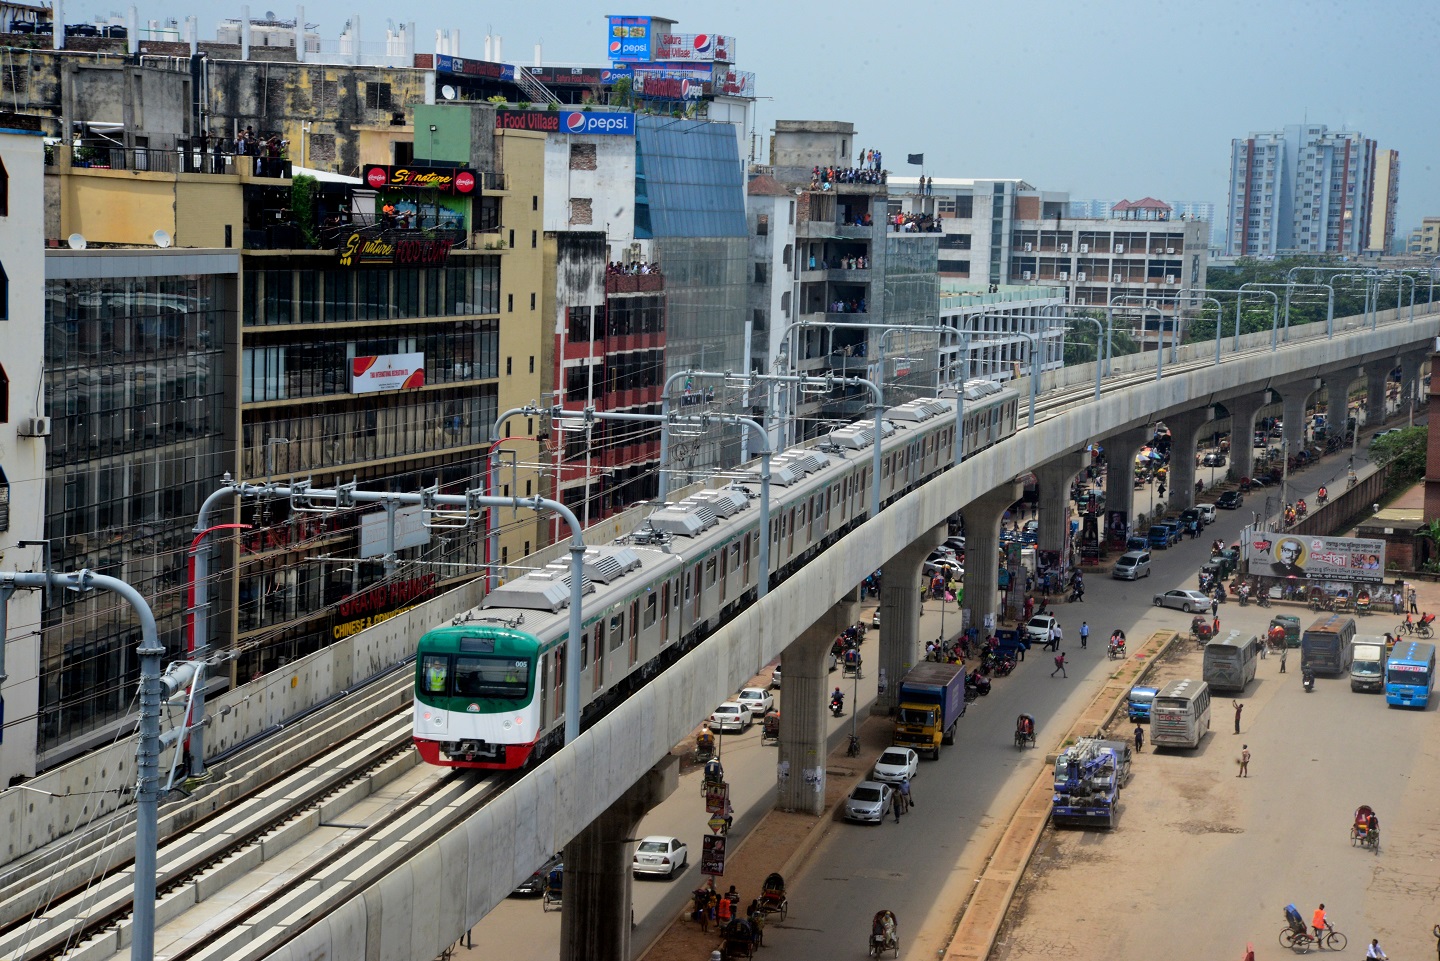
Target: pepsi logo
<point x="574" y="122"/>
<point x="376" y="177"/>
<point x="702" y="42"/>
<point x="614" y="46"/>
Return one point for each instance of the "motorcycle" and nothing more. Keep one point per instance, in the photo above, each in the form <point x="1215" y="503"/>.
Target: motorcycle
<point x="1307" y="678"/>
<point x="1003" y="666"/>
<point x="1263" y="598"/>
<point x="977" y="684"/>
<point x="1244" y="596"/>
<point x="853" y="749"/>
<point x="837" y="706"/>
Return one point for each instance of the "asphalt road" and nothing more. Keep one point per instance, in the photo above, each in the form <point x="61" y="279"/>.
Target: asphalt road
<point x="924" y="866"/>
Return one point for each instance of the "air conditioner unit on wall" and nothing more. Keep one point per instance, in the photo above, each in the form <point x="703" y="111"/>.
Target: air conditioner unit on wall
<point x="1064" y="275"/>
<point x="1084" y="248"/>
<point x="1064" y="248"/>
<point x="1169" y="250"/>
<point x="1025" y="275"/>
<point x="34" y="427"/>
<point x="1080" y="276"/>
<point x="1169" y="278"/>
<point x="1028" y="247"/>
<point x="1119" y="248"/>
<point x="1115" y="279"/>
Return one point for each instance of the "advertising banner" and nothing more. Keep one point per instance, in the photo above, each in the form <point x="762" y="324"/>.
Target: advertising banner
<point x="712" y="856"/>
<point x="736" y="83"/>
<point x="592" y="123"/>
<point x="701" y="72"/>
<point x="370" y="375"/>
<point x="571" y="76"/>
<point x="629" y="38"/>
<point x="694" y="46"/>
<point x="445" y="180"/>
<point x="1306" y="557"/>
<point x="473" y="68"/>
<point x="359" y="249"/>
<point x="655" y="87"/>
<point x="410" y="530"/>
<point x="380" y="603"/>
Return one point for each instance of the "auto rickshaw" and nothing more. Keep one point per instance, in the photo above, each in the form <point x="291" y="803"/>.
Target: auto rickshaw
<point x="704" y="746"/>
<point x="1200" y="628"/>
<point x="1362" y="601"/>
<point x="1291" y="625"/>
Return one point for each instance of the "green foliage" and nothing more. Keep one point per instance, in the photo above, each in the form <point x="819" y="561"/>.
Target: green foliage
<point x="552" y="106"/>
<point x="523" y="105"/>
<point x="1404" y="453"/>
<point x="622" y="93"/>
<point x="497" y="100"/>
<point x="302" y="205"/>
<point x="1080" y="341"/>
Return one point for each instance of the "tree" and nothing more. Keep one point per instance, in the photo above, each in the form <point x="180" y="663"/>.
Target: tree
<point x="1404" y="453"/>
<point x="1080" y="341"/>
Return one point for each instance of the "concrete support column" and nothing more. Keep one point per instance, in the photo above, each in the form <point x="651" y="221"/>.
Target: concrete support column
<point x="1242" y="432"/>
<point x="1295" y="396"/>
<point x="595" y="925"/>
<point x="982" y="546"/>
<point x="1053" y="480"/>
<point x="801" y="766"/>
<point x="1120" y="471"/>
<point x="1337" y="399"/>
<point x="1184" y="429"/>
<point x="1377" y="375"/>
<point x="900" y="616"/>
<point x="1410" y="365"/>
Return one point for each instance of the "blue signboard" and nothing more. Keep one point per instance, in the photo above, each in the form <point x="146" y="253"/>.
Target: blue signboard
<point x="629" y="38"/>
<point x="619" y="124"/>
<point x="474" y="68"/>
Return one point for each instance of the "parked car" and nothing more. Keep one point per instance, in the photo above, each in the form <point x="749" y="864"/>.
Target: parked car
<point x="1184" y="600"/>
<point x="1038" y="627"/>
<point x="1228" y="500"/>
<point x="1131" y="566"/>
<point x="534" y="885"/>
<point x="1158" y="537"/>
<point x="868" y="802"/>
<point x="1385" y="433"/>
<point x="731" y="716"/>
<point x="875" y="619"/>
<point x="1192" y="515"/>
<point x="1214" y="458"/>
<point x="896" y="764"/>
<point x="956" y="544"/>
<point x="944" y="565"/>
<point x="1207" y="512"/>
<point x="658" y="854"/>
<point x="775" y="677"/>
<point x="757" y="699"/>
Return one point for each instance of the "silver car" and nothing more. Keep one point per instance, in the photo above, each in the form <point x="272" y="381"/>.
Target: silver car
<point x="1187" y="601"/>
<point x="1131" y="566"/>
<point x="868" y="802"/>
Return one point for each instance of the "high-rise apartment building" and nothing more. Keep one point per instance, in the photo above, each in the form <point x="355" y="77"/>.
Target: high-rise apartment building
<point x="1384" y="196"/>
<point x="1302" y="189"/>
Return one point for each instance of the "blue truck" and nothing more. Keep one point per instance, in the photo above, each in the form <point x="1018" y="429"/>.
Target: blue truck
<point x="931" y="703"/>
<point x="1088" y="778"/>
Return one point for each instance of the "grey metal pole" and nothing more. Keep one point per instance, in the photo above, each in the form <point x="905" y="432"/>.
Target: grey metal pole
<point x="762" y="583"/>
<point x="960" y="398"/>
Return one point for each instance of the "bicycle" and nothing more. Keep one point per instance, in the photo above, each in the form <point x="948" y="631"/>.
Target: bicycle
<point x="1417" y="628"/>
<point x="1290" y="938"/>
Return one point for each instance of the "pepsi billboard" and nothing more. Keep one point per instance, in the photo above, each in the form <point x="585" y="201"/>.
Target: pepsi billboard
<point x="694" y="46"/>
<point x="629" y="38"/>
<point x="567" y="121"/>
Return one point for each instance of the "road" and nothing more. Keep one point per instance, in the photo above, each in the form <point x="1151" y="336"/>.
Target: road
<point x="923" y="867"/>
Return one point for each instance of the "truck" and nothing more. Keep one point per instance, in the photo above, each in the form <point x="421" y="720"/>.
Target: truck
<point x="1367" y="664"/>
<point x="1088" y="778"/>
<point x="931" y="703"/>
<point x="1325" y="645"/>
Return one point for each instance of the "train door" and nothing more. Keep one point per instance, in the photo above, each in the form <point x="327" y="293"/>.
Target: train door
<point x="545" y="717"/>
<point x="694" y="594"/>
<point x="790" y="533"/>
<point x="633" y="626"/>
<point x="745" y="562"/>
<point x="724" y="574"/>
<point x="664" y="613"/>
<point x="559" y="683"/>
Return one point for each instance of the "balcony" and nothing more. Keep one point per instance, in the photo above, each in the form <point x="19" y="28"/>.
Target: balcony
<point x="184" y="159"/>
<point x="822" y="229"/>
<point x="634" y="283"/>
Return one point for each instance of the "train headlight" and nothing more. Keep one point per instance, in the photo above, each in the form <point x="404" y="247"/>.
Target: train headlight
<point x="505" y="725"/>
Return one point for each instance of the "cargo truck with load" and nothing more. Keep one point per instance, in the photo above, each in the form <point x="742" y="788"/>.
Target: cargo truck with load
<point x="1367" y="664"/>
<point x="931" y="702"/>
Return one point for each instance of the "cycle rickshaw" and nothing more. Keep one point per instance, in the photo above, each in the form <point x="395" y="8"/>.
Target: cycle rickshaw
<point x="1024" y="731"/>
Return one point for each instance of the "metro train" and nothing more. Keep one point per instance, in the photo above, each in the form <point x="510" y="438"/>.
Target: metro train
<point x="489" y="685"/>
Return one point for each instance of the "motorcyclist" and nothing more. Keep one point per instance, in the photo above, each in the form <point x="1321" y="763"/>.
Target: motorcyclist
<point x="1322" y="494"/>
<point x="837" y="700"/>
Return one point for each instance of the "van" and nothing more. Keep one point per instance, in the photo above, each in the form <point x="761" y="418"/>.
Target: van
<point x="1158" y="536"/>
<point x="1131" y="566"/>
<point x="1367" y="664"/>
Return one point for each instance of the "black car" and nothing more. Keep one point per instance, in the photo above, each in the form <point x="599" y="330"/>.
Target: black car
<point x="1228" y="500"/>
<point x="534" y="885"/>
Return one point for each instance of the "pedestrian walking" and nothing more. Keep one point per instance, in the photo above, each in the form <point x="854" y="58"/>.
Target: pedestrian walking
<point x="1410" y="595"/>
<point x="1215" y="627"/>
<point x="1214" y="606"/>
<point x="905" y="792"/>
<point x="1238" y="708"/>
<point x="1283" y="652"/>
<point x="1139" y="738"/>
<point x="1053" y="644"/>
<point x="1244" y="761"/>
<point x="896" y="806"/>
<point x="1059" y="635"/>
<point x="1084" y="634"/>
<point x="1396" y="602"/>
<point x="1059" y="665"/>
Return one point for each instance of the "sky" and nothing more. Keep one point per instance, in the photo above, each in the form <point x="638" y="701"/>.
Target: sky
<point x="1104" y="100"/>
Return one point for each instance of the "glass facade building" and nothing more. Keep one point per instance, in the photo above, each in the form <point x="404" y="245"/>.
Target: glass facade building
<point x="134" y="383"/>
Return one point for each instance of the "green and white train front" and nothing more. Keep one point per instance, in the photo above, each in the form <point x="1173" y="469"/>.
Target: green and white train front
<point x="476" y="702"/>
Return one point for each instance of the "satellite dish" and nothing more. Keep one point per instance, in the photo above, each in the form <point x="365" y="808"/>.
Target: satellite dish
<point x="448" y="92"/>
<point x="269" y="14"/>
<point x="76" y="241"/>
<point x="162" y="239"/>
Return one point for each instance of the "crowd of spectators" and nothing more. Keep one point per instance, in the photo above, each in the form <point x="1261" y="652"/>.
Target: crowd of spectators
<point x="917" y="224"/>
<point x="840" y="263"/>
<point x="627" y="270"/>
<point x="859" y="221"/>
<point x="848" y="306"/>
<point x="822" y="177"/>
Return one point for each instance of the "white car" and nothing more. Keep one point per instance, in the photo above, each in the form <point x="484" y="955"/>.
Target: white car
<point x="731" y="716"/>
<point x="759" y="700"/>
<point x="1185" y="600"/>
<point x="896" y="764"/>
<point x="1038" y="627"/>
<point x="775" y="676"/>
<point x="660" y="855"/>
<point x="868" y="802"/>
<point x="1207" y="511"/>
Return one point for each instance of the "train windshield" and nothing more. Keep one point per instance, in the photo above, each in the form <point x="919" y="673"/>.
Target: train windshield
<point x="491" y="676"/>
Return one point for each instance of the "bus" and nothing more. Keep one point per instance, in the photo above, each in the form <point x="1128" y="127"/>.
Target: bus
<point x="1230" y="661"/>
<point x="1409" y="674"/>
<point x="1180" y="714"/>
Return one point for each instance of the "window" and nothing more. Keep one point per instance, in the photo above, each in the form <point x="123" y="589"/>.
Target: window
<point x="4" y="190"/>
<point x="762" y="225"/>
<point x="760" y="272"/>
<point x="377" y="96"/>
<point x="4" y="397"/>
<point x="4" y="294"/>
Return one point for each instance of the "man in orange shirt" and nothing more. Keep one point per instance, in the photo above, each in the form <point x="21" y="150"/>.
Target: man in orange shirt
<point x="1318" y="922"/>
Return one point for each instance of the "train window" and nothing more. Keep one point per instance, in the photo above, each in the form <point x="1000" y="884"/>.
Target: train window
<point x="690" y="583"/>
<point x="584" y="650"/>
<point x="710" y="572"/>
<point x="435" y="673"/>
<point x="617" y="630"/>
<point x="650" y="607"/>
<point x="497" y="676"/>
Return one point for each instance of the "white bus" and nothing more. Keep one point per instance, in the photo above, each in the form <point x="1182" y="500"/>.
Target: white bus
<point x="1230" y="661"/>
<point x="1180" y="714"/>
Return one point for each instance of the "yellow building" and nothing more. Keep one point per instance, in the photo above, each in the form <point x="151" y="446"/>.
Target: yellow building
<point x="1425" y="239"/>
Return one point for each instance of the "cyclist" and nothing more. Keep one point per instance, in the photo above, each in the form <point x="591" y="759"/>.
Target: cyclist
<point x="1375" y="951"/>
<point x="1318" y="922"/>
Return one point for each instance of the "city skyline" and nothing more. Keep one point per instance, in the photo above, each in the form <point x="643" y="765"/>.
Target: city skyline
<point x="1002" y="98"/>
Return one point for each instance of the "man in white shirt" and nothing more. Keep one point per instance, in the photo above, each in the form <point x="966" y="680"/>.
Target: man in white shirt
<point x="1374" y="950"/>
